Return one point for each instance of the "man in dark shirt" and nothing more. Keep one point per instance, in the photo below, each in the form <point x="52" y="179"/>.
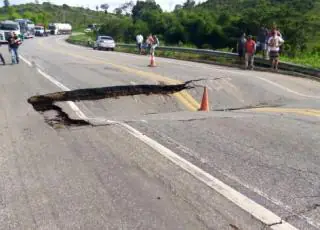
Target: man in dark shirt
<point x="241" y="47"/>
<point x="13" y="43"/>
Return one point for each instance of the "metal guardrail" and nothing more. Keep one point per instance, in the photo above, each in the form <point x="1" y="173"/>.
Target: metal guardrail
<point x="260" y="61"/>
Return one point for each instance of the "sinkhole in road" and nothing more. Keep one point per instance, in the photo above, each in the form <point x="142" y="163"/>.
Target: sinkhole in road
<point x="46" y="103"/>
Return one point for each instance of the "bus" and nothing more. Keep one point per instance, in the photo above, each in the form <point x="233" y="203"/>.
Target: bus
<point x="6" y="28"/>
<point x="26" y="27"/>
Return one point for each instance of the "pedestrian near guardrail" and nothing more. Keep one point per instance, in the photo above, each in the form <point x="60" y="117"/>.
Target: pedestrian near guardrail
<point x="274" y="43"/>
<point x="139" y="40"/>
<point x="241" y="47"/>
<point x="250" y="49"/>
<point x="154" y="45"/>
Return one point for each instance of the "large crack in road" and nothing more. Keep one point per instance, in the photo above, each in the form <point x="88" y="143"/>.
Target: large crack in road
<point x="46" y="102"/>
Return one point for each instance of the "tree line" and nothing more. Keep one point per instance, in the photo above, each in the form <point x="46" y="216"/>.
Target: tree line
<point x="215" y="24"/>
<point x="218" y="24"/>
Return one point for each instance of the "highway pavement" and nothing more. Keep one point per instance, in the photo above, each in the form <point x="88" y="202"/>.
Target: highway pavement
<point x="154" y="162"/>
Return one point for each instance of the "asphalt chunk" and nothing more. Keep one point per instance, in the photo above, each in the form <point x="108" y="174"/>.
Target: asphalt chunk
<point x="46" y="102"/>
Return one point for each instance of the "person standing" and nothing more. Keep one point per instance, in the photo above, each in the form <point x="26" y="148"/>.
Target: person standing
<point x="240" y="47"/>
<point x="250" y="49"/>
<point x="13" y="43"/>
<point x="154" y="45"/>
<point x="274" y="44"/>
<point x="262" y="41"/>
<point x="150" y="41"/>
<point x="139" y="39"/>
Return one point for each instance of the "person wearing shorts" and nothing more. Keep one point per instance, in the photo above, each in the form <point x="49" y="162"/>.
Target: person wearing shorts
<point x="274" y="44"/>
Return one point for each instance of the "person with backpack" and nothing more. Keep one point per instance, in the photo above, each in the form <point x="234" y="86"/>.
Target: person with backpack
<point x="14" y="42"/>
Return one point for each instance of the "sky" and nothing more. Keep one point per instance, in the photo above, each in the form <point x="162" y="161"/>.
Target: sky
<point x="166" y="5"/>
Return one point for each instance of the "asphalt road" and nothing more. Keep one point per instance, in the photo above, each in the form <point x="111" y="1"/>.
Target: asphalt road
<point x="262" y="138"/>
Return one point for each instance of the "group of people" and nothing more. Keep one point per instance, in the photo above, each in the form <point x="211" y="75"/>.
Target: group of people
<point x="150" y="44"/>
<point x="13" y="43"/>
<point x="267" y="42"/>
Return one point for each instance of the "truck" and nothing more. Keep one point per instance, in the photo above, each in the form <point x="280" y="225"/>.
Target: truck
<point x="26" y="27"/>
<point x="40" y="30"/>
<point x="60" y="28"/>
<point x="6" y="28"/>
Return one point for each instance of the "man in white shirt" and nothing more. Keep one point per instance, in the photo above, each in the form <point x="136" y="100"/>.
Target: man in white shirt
<point x="139" y="39"/>
<point x="274" y="44"/>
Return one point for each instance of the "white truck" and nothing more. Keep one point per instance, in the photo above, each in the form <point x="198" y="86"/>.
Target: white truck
<point x="6" y="28"/>
<point x="60" y="28"/>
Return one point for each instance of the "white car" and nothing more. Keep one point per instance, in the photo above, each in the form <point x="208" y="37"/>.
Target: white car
<point x="104" y="43"/>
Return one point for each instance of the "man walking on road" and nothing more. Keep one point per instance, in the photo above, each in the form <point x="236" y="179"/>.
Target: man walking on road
<point x="13" y="43"/>
<point x="250" y="49"/>
<point x="274" y="43"/>
<point x="139" y="40"/>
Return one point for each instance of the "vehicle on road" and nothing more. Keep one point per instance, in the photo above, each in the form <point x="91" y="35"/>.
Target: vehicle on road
<point x="7" y="27"/>
<point x="40" y="30"/>
<point x="104" y="43"/>
<point x="60" y="28"/>
<point x="26" y="28"/>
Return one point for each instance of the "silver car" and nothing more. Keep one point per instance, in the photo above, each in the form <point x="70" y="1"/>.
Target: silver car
<point x="104" y="43"/>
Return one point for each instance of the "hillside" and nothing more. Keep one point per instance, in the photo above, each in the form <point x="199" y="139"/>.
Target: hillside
<point x="44" y="13"/>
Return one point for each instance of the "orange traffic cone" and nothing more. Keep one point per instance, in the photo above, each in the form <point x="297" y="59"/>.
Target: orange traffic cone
<point x="152" y="61"/>
<point x="205" y="101"/>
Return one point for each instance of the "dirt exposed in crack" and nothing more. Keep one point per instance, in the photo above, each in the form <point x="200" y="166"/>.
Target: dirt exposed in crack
<point x="46" y="102"/>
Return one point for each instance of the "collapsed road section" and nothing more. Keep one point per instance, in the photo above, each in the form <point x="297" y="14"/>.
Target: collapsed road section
<point x="46" y="102"/>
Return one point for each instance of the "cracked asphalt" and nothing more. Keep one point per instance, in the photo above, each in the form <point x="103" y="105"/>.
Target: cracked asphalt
<point x="102" y="178"/>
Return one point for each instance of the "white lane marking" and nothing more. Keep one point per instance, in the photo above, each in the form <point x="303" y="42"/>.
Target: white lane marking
<point x="287" y="89"/>
<point x="26" y="61"/>
<point x="192" y="153"/>
<point x="258" y="211"/>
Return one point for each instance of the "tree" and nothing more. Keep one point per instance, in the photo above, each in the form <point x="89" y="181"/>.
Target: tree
<point x="6" y="3"/>
<point x="118" y="11"/>
<point x="105" y="7"/>
<point x="97" y="8"/>
<point x="189" y="4"/>
<point x="143" y="7"/>
<point x="37" y="2"/>
<point x="178" y="7"/>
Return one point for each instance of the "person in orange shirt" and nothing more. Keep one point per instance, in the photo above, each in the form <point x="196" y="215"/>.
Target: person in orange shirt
<point x="250" y="49"/>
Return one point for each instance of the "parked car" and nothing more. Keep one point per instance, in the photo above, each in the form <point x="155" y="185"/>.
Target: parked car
<point x="104" y="43"/>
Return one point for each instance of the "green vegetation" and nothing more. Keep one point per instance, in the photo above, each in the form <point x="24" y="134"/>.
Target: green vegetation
<point x="46" y="12"/>
<point x="214" y="24"/>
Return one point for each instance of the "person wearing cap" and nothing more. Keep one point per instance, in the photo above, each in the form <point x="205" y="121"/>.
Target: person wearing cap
<point x="250" y="49"/>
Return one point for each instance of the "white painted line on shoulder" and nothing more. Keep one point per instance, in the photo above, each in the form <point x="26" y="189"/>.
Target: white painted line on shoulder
<point x="26" y="61"/>
<point x="258" y="211"/>
<point x="287" y="89"/>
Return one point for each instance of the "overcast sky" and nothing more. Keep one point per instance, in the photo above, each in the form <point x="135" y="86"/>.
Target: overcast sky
<point x="166" y="5"/>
